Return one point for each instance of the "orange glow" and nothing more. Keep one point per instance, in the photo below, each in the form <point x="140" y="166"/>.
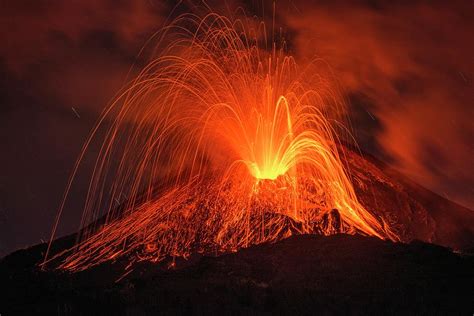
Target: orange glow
<point x="242" y="140"/>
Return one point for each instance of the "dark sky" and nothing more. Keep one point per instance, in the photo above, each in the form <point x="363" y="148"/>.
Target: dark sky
<point x="405" y="69"/>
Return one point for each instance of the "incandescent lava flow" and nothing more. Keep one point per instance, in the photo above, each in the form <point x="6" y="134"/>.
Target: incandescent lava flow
<point x="243" y="141"/>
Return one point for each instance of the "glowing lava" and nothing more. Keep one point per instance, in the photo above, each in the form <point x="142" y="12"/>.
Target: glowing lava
<point x="240" y="138"/>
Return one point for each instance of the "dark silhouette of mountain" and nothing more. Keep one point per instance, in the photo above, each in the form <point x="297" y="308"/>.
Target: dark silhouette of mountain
<point x="304" y="274"/>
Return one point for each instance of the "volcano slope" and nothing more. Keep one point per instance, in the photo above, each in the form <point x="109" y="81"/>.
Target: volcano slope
<point x="303" y="274"/>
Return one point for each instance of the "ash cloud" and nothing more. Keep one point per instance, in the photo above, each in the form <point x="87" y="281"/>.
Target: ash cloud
<point x="75" y="51"/>
<point x="407" y="70"/>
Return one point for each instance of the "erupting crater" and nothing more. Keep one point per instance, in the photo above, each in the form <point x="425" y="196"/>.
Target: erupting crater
<point x="243" y="141"/>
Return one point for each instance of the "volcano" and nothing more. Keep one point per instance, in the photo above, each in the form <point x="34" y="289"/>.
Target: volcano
<point x="244" y="193"/>
<point x="430" y="271"/>
<point x="246" y="144"/>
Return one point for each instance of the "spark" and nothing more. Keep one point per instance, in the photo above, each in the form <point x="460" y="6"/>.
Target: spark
<point x="370" y="114"/>
<point x="75" y="112"/>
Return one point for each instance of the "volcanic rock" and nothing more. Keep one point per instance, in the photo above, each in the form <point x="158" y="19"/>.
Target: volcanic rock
<point x="303" y="274"/>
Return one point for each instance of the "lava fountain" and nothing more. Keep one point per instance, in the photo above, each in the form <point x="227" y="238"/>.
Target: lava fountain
<point x="241" y="141"/>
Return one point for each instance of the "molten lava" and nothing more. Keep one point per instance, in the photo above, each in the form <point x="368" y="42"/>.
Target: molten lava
<point x="242" y="141"/>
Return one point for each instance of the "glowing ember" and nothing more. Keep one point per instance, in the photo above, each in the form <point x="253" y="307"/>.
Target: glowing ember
<point x="243" y="141"/>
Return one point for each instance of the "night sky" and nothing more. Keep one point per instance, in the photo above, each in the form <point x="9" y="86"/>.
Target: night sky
<point x="406" y="71"/>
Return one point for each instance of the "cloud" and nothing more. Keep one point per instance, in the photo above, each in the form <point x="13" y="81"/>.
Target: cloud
<point x="77" y="52"/>
<point x="407" y="70"/>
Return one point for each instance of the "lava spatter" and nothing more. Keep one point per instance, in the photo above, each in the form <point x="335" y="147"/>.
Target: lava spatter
<point x="240" y="137"/>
